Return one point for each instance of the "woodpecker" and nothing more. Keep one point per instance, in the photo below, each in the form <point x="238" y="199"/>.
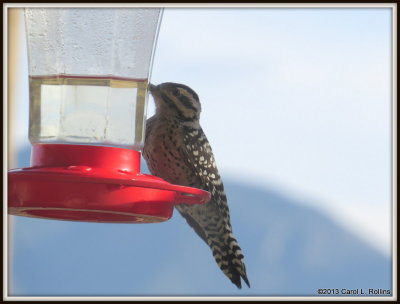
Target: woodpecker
<point x="177" y="150"/>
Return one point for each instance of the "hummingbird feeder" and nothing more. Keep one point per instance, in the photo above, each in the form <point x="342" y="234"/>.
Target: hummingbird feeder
<point x="89" y="73"/>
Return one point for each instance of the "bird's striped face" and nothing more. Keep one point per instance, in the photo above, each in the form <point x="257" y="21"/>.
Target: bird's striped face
<point x="176" y="99"/>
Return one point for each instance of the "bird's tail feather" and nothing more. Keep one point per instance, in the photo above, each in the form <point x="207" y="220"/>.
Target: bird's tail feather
<point x="229" y="257"/>
<point x="224" y="246"/>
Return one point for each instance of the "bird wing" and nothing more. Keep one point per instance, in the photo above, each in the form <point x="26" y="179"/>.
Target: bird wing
<point x="211" y="221"/>
<point x="199" y="157"/>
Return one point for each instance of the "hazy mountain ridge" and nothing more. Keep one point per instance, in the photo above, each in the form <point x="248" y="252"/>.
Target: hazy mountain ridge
<point x="289" y="249"/>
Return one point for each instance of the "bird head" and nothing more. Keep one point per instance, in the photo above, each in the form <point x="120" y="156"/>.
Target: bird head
<point x="176" y="100"/>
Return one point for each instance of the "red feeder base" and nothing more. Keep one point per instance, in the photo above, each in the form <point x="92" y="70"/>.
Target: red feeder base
<point x="93" y="184"/>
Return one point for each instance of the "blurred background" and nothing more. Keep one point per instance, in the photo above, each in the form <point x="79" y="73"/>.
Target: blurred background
<point x="297" y="108"/>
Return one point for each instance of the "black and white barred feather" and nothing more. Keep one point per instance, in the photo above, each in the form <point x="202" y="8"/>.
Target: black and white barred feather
<point x="177" y="150"/>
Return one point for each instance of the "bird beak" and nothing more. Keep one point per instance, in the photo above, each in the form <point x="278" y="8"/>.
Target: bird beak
<point x="152" y="88"/>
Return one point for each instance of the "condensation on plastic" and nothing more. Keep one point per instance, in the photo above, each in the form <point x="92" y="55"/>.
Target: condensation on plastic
<point x="91" y="41"/>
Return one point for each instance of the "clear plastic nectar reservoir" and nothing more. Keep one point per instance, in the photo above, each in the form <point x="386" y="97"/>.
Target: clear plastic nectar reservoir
<point x="89" y="70"/>
<point x="88" y="110"/>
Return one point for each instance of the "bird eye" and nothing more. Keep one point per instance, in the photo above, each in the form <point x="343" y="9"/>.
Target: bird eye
<point x="176" y="92"/>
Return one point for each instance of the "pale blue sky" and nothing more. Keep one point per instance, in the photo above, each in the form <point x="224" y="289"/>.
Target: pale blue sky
<point x="304" y="92"/>
<point x="294" y="100"/>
